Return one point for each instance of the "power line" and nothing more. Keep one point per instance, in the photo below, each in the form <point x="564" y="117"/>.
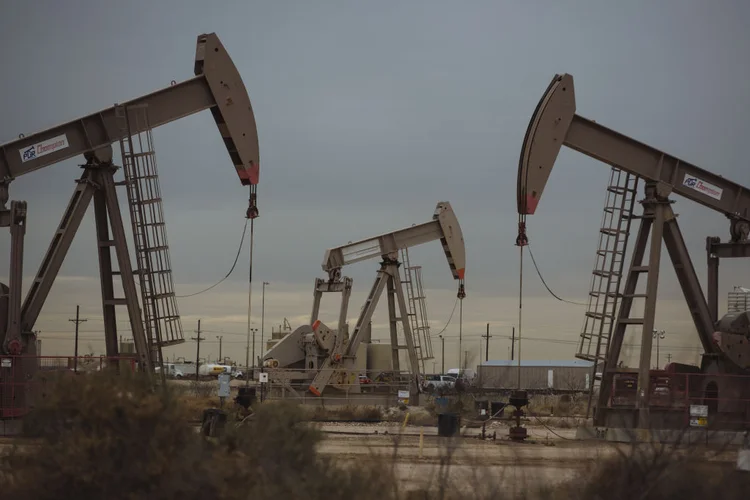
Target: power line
<point x="449" y="319"/>
<point x="236" y="258"/>
<point x="539" y="273"/>
<point x="449" y="337"/>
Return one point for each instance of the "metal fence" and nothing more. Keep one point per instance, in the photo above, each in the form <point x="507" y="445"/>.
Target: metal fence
<point x="693" y="399"/>
<point x="376" y="387"/>
<point x="23" y="379"/>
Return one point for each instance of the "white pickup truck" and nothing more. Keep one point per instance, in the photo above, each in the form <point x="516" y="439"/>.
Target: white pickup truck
<point x="432" y="383"/>
<point x="170" y="371"/>
<point x="466" y="374"/>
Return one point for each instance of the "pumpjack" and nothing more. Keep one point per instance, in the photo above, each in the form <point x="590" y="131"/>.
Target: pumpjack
<point x="314" y="356"/>
<point x="217" y="87"/>
<point x="725" y="341"/>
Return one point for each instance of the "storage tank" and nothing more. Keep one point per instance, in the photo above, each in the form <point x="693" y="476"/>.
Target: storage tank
<point x="379" y="358"/>
<point x="361" y="363"/>
<point x="270" y="343"/>
<point x="127" y="348"/>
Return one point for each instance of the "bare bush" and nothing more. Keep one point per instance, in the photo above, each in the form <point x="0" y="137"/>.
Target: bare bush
<point x="348" y="412"/>
<point x="374" y="413"/>
<point x="116" y="438"/>
<point x="655" y="472"/>
<point x="202" y="389"/>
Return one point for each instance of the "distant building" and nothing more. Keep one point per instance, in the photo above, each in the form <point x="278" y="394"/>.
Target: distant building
<point x="545" y="375"/>
<point x="738" y="300"/>
<point x="127" y="348"/>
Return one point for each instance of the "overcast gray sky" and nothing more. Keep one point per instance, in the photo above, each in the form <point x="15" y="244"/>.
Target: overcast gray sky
<point x="368" y="114"/>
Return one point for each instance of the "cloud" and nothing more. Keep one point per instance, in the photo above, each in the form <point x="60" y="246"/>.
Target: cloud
<point x="550" y="328"/>
<point x="367" y="116"/>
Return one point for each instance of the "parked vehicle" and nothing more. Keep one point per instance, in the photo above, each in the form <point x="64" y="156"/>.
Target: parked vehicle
<point x="432" y="383"/>
<point x="466" y="374"/>
<point x="171" y="371"/>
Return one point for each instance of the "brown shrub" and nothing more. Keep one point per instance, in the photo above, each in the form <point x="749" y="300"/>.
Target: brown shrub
<point x="347" y="412"/>
<point x="103" y="437"/>
<point x="655" y="472"/>
<point x="118" y="439"/>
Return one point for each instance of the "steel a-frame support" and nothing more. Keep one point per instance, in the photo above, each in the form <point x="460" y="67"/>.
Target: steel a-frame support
<point x="97" y="183"/>
<point x="660" y="222"/>
<point x="716" y="250"/>
<point x="337" y="370"/>
<point x="13" y="218"/>
<point x="338" y="284"/>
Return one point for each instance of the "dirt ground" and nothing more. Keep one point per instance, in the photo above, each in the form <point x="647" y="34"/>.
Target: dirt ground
<point x="548" y="457"/>
<point x="543" y="459"/>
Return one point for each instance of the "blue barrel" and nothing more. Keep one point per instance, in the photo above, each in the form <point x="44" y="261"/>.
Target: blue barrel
<point x="441" y="404"/>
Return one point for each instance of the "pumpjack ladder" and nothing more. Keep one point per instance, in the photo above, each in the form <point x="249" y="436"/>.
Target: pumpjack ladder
<point x="604" y="297"/>
<point x="417" y="309"/>
<point x="153" y="264"/>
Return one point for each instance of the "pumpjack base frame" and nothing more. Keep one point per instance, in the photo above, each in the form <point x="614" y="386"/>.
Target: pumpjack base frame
<point x="96" y="184"/>
<point x="660" y="222"/>
<point x="686" y="437"/>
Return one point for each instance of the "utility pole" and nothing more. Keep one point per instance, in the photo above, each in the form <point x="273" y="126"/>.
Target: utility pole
<point x="198" y="348"/>
<point x="487" y="346"/>
<point x="263" y="318"/>
<point x="669" y="358"/>
<point x="220" y="337"/>
<point x="442" y="366"/>
<point x="461" y="295"/>
<point x="658" y="334"/>
<point x="513" y="343"/>
<point x="254" y="330"/>
<point x="77" y="321"/>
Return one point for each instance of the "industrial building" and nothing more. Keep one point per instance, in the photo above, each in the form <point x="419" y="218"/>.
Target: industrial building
<point x="546" y="375"/>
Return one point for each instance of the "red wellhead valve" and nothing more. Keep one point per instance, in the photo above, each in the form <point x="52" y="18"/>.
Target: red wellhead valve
<point x="15" y="347"/>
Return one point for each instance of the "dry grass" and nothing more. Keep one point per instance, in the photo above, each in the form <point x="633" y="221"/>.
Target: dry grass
<point x="345" y="413"/>
<point x="655" y="472"/>
<point x="117" y="439"/>
<point x="417" y="416"/>
<point x="565" y="405"/>
<point x="558" y="422"/>
<point x="194" y="398"/>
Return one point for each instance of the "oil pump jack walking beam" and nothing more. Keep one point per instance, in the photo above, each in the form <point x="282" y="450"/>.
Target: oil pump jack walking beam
<point x="554" y="124"/>
<point x="217" y="87"/>
<point x="342" y="354"/>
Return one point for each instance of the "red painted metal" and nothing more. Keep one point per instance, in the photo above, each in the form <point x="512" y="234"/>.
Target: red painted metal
<point x="726" y="395"/>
